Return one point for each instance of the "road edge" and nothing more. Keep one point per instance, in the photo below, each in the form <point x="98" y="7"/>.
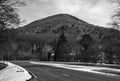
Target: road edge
<point x="34" y="77"/>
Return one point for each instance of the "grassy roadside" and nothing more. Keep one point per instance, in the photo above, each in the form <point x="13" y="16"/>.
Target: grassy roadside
<point x="97" y="65"/>
<point x="108" y="71"/>
<point x="2" y="66"/>
<point x="113" y="66"/>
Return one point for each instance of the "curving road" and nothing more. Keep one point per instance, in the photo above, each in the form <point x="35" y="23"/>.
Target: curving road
<point x="47" y="73"/>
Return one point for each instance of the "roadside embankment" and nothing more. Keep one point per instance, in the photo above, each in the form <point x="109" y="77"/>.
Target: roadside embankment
<point x="14" y="73"/>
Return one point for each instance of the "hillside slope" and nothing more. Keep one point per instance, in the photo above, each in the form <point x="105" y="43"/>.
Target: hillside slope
<point x="58" y="23"/>
<point x="52" y="26"/>
<point x="86" y="42"/>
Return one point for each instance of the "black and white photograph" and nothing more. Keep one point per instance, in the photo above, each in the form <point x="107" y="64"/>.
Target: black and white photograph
<point x="59" y="40"/>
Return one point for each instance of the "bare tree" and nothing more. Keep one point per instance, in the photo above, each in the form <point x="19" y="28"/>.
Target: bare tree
<point x="8" y="14"/>
<point x="116" y="17"/>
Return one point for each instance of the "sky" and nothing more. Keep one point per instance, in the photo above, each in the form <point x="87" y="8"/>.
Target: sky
<point x="97" y="12"/>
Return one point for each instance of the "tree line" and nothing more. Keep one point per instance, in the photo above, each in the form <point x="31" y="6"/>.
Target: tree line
<point x="102" y="49"/>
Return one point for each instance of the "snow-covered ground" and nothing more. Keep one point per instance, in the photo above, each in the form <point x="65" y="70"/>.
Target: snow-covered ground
<point x="91" y="69"/>
<point x="14" y="73"/>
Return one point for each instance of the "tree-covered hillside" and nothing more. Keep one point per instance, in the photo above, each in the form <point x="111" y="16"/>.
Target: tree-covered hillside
<point x="63" y="37"/>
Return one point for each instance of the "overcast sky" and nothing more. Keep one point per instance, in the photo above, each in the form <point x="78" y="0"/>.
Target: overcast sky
<point x="96" y="12"/>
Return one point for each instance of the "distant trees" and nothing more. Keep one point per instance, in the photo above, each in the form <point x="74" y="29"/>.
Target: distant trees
<point x="90" y="47"/>
<point x="95" y="47"/>
<point x="111" y="46"/>
<point x="62" y="50"/>
<point x="86" y="42"/>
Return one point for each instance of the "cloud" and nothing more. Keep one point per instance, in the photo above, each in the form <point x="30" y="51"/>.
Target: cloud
<point x="99" y="14"/>
<point x="67" y="6"/>
<point x="96" y="12"/>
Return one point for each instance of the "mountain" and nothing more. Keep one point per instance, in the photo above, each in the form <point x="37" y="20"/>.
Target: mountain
<point x="56" y="23"/>
<point x="52" y="26"/>
<point x="81" y="41"/>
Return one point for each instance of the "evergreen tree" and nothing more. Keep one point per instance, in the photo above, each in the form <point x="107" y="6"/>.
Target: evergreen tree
<point x="86" y="43"/>
<point x="62" y="49"/>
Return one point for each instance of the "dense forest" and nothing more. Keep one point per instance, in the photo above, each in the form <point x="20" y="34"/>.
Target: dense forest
<point x="61" y="37"/>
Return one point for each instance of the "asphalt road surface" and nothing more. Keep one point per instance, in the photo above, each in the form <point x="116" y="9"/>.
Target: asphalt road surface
<point x="47" y="73"/>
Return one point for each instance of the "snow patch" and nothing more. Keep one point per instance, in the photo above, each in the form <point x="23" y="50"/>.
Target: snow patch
<point x="14" y="73"/>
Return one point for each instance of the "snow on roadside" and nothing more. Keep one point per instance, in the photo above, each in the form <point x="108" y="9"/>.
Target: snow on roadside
<point x="91" y="69"/>
<point x="14" y="73"/>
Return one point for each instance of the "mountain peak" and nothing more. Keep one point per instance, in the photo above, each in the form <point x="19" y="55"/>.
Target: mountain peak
<point x="55" y="23"/>
<point x="67" y="17"/>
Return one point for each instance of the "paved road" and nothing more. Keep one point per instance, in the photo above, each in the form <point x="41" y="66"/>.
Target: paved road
<point x="47" y="73"/>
